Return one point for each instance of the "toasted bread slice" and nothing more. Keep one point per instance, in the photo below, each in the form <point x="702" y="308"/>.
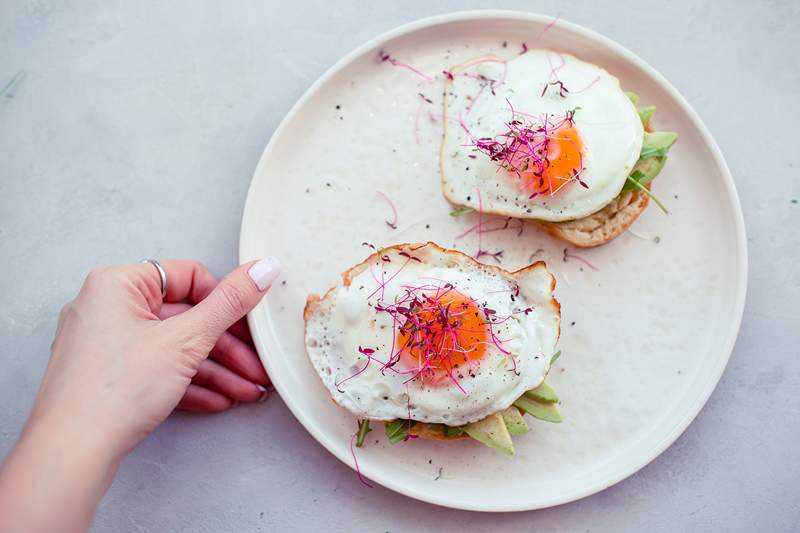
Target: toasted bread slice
<point x="599" y="228"/>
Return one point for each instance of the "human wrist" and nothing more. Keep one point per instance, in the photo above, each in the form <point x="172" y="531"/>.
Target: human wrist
<point x="75" y="443"/>
<point x="54" y="478"/>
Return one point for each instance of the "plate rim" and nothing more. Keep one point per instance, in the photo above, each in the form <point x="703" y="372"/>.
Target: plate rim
<point x="730" y="339"/>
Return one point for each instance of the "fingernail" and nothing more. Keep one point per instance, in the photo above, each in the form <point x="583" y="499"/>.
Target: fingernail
<point x="264" y="272"/>
<point x="264" y="393"/>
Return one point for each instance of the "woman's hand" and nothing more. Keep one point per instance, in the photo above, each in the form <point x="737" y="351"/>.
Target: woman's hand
<point x="122" y="360"/>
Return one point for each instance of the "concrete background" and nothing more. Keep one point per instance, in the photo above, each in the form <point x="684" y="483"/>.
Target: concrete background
<point x="134" y="132"/>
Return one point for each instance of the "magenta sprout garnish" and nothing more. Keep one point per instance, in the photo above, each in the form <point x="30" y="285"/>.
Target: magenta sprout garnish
<point x="434" y="329"/>
<point x="504" y="223"/>
<point x="366" y="352"/>
<point x="525" y="147"/>
<point x="386" y="57"/>
<point x="562" y="90"/>
<point x="484" y="81"/>
<point x="547" y="28"/>
<point x="554" y="69"/>
<point x="355" y="461"/>
<point x="496" y="255"/>
<point x="391" y="223"/>
<point x="568" y="255"/>
<point x="591" y="84"/>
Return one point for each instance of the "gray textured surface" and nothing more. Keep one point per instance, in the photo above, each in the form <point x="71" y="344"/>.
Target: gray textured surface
<point x="134" y="133"/>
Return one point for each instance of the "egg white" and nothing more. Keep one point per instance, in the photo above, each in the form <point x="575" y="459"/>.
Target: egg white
<point x="606" y="121"/>
<point x="346" y="320"/>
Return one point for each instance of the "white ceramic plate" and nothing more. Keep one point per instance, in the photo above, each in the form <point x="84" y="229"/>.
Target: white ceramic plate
<point x="645" y="338"/>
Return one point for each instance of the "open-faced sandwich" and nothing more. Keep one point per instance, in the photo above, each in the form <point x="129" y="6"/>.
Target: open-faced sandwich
<point x="549" y="138"/>
<point x="437" y="345"/>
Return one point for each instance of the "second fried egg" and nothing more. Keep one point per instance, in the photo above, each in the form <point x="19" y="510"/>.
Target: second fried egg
<point x="543" y="136"/>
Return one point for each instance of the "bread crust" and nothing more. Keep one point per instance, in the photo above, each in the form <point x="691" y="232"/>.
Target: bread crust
<point x="602" y="226"/>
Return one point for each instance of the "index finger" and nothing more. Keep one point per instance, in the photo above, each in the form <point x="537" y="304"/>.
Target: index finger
<point x="187" y="280"/>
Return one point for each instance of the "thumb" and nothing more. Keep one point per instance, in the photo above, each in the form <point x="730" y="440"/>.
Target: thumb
<point x="234" y="296"/>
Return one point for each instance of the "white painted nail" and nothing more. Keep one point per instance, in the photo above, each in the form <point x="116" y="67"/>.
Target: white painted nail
<point x="264" y="392"/>
<point x="264" y="272"/>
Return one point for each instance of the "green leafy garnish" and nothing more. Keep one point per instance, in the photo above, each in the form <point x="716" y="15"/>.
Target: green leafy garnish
<point x="634" y="180"/>
<point x="363" y="429"/>
<point x="396" y="430"/>
<point x="555" y="357"/>
<point x="458" y="211"/>
<point x="634" y="98"/>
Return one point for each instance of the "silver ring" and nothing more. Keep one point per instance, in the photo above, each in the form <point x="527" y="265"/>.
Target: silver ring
<point x="162" y="273"/>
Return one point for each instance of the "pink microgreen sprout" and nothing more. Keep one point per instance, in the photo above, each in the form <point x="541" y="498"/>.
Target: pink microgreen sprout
<point x="355" y="461"/>
<point x="386" y="57"/>
<point x="568" y="255"/>
<point x="391" y="223"/>
<point x="525" y="147"/>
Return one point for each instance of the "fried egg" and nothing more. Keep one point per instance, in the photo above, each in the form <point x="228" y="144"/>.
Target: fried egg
<point x="428" y="334"/>
<point x="542" y="136"/>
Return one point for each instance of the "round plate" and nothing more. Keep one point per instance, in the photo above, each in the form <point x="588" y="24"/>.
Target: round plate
<point x="645" y="335"/>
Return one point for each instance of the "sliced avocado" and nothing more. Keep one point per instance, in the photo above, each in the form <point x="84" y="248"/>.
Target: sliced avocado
<point x="447" y="431"/>
<point x="645" y="171"/>
<point x="453" y="431"/>
<point x="492" y="432"/>
<point x="657" y="143"/>
<point x="543" y="411"/>
<point x="515" y="424"/>
<point x="543" y="393"/>
<point x="396" y="430"/>
<point x="646" y="113"/>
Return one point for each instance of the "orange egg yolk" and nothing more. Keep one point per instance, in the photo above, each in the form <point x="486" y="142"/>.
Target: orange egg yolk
<point x="442" y="338"/>
<point x="561" y="161"/>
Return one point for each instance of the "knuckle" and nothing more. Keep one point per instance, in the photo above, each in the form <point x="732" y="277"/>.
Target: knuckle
<point x="95" y="277"/>
<point x="65" y="311"/>
<point x="67" y="314"/>
<point x="202" y="270"/>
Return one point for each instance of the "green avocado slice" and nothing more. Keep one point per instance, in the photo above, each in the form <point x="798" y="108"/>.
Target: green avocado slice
<point x="543" y="393"/>
<point x="543" y="411"/>
<point x="645" y="114"/>
<point x="396" y="430"/>
<point x="657" y="143"/>
<point x="645" y="171"/>
<point x="514" y="422"/>
<point x="492" y="432"/>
